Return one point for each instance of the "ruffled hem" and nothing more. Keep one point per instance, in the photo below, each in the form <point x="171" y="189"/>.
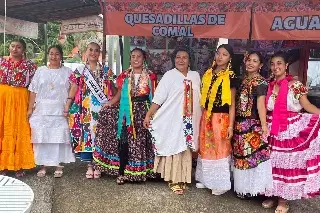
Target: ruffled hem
<point x="131" y="173"/>
<point x="14" y="161"/>
<point x="308" y="189"/>
<point x="253" y="181"/>
<point x="214" y="174"/>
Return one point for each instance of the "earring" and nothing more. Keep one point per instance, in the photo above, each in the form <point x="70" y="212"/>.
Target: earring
<point x="145" y="65"/>
<point x="213" y="63"/>
<point x="229" y="65"/>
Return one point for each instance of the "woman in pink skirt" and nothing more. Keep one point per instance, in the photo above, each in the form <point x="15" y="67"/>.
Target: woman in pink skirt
<point x="294" y="138"/>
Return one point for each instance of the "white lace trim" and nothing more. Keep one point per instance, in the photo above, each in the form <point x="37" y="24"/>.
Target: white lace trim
<point x="296" y="160"/>
<point x="295" y="191"/>
<point x="214" y="174"/>
<point x="253" y="181"/>
<point x="294" y="129"/>
<point x="49" y="129"/>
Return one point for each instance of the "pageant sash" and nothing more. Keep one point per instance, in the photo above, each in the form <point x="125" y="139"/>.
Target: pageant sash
<point x="94" y="86"/>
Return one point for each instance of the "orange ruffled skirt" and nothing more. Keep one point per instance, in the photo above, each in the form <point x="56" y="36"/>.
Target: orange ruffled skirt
<point x="15" y="141"/>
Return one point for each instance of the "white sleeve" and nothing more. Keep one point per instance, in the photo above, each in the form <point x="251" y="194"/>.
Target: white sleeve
<point x="34" y="85"/>
<point x="162" y="91"/>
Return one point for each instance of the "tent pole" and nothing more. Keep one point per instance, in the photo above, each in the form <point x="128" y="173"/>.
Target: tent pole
<point x="45" y="44"/>
<point x="126" y="52"/>
<point x="104" y="42"/>
<point x="121" y="50"/>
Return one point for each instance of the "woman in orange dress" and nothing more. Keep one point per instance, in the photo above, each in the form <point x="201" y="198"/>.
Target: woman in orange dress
<point x="216" y="126"/>
<point x="16" y="72"/>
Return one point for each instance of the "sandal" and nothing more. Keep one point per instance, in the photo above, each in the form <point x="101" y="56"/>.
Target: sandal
<point x="244" y="196"/>
<point x="89" y="173"/>
<point x="176" y="188"/>
<point x="268" y="204"/>
<point x="183" y="186"/>
<point x="282" y="209"/>
<point x="120" y="180"/>
<point x="42" y="172"/>
<point x="58" y="174"/>
<point x="96" y="174"/>
<point x="20" y="174"/>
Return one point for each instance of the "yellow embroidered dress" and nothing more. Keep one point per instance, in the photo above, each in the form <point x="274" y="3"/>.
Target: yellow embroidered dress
<point x="213" y="164"/>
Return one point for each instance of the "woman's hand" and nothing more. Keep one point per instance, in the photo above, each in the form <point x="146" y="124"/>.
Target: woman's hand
<point x="265" y="131"/>
<point x="108" y="104"/>
<point x="229" y="133"/>
<point x="66" y="111"/>
<point x="147" y="122"/>
<point x="29" y="113"/>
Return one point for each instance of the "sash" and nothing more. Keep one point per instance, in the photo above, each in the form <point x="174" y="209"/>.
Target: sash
<point x="94" y="86"/>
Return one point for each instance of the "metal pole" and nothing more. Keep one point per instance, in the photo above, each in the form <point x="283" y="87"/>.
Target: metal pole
<point x="121" y="50"/>
<point x="45" y="44"/>
<point x="104" y="42"/>
<point x="111" y="51"/>
<point x="126" y="52"/>
<point x="118" y="58"/>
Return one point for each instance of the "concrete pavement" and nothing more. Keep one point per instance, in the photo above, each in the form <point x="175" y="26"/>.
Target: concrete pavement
<point x="73" y="193"/>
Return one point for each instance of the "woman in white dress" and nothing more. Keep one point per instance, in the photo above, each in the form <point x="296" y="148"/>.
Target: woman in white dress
<point x="49" y="127"/>
<point x="175" y="125"/>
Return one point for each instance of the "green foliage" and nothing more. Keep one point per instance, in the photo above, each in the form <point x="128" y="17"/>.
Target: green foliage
<point x="36" y="47"/>
<point x="39" y="60"/>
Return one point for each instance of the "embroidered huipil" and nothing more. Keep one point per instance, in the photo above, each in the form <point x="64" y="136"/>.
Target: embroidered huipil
<point x="17" y="74"/>
<point x="143" y="88"/>
<point x="172" y="127"/>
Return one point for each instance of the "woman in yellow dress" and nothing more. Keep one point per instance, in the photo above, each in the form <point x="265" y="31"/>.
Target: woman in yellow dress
<point x="16" y="153"/>
<point x="216" y="127"/>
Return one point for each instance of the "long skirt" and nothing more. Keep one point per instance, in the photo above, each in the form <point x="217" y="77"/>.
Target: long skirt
<point x="295" y="158"/>
<point x="15" y="141"/>
<point x="213" y="165"/>
<point x="252" y="172"/>
<point x="175" y="168"/>
<point x="51" y="140"/>
<point x="130" y="157"/>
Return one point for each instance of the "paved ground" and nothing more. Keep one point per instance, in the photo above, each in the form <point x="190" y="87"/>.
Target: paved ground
<point x="75" y="194"/>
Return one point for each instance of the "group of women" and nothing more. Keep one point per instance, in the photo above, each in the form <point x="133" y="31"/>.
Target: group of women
<point x="137" y="130"/>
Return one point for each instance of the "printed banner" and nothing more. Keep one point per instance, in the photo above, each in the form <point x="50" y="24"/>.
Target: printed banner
<point x="286" y="26"/>
<point x="178" y="19"/>
<point x="84" y="24"/>
<point x="19" y="27"/>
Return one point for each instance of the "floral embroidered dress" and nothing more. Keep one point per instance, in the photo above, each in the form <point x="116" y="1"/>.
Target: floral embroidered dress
<point x="213" y="164"/>
<point x="295" y="142"/>
<point x="124" y="146"/>
<point x="15" y="141"/>
<point x="251" y="153"/>
<point x="85" y="109"/>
